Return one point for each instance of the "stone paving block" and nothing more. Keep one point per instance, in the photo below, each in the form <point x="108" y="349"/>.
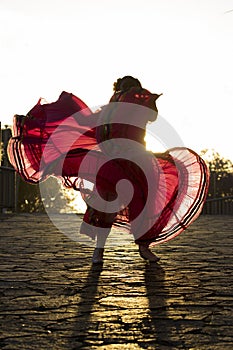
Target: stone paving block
<point x="53" y="298"/>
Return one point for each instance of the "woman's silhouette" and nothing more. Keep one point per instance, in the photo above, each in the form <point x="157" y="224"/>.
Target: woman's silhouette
<point x="68" y="140"/>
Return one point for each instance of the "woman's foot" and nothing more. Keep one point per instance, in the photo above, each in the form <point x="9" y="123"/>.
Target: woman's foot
<point x="97" y="257"/>
<point x="147" y="254"/>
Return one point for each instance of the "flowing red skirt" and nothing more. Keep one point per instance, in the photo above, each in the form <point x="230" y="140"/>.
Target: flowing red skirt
<point x="168" y="189"/>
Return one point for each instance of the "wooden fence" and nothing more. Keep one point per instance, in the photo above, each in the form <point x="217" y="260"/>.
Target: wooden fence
<point x="218" y="206"/>
<point x="7" y="189"/>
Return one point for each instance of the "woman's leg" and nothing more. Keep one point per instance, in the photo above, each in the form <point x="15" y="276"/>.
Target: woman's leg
<point x="105" y="222"/>
<point x="98" y="253"/>
<point x="140" y="225"/>
<point x="146" y="253"/>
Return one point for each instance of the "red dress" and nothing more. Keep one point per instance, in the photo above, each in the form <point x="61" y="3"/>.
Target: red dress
<point x="103" y="155"/>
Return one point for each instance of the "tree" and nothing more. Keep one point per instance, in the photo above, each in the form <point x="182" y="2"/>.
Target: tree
<point x="221" y="174"/>
<point x="37" y="198"/>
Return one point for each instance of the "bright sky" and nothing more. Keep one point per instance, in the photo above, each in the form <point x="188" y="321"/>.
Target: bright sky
<point x="182" y="48"/>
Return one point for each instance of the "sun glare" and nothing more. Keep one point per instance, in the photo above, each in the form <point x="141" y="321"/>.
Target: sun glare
<point x="153" y="144"/>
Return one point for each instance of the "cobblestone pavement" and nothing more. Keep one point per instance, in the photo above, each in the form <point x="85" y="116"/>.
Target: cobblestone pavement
<point x="53" y="298"/>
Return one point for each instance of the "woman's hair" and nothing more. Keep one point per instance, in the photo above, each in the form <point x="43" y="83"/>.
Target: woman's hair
<point x="129" y="89"/>
<point x="126" y="83"/>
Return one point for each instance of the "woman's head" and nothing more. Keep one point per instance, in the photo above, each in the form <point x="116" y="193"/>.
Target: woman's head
<point x="125" y="84"/>
<point x="129" y="89"/>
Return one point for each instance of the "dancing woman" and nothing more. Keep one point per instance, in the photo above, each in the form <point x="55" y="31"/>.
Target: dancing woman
<point x="168" y="189"/>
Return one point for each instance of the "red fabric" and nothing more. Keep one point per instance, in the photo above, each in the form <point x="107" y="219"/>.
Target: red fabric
<point x="55" y="139"/>
<point x="31" y="135"/>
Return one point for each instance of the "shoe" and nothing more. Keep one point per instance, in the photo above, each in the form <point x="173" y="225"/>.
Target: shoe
<point x="97" y="257"/>
<point x="147" y="254"/>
